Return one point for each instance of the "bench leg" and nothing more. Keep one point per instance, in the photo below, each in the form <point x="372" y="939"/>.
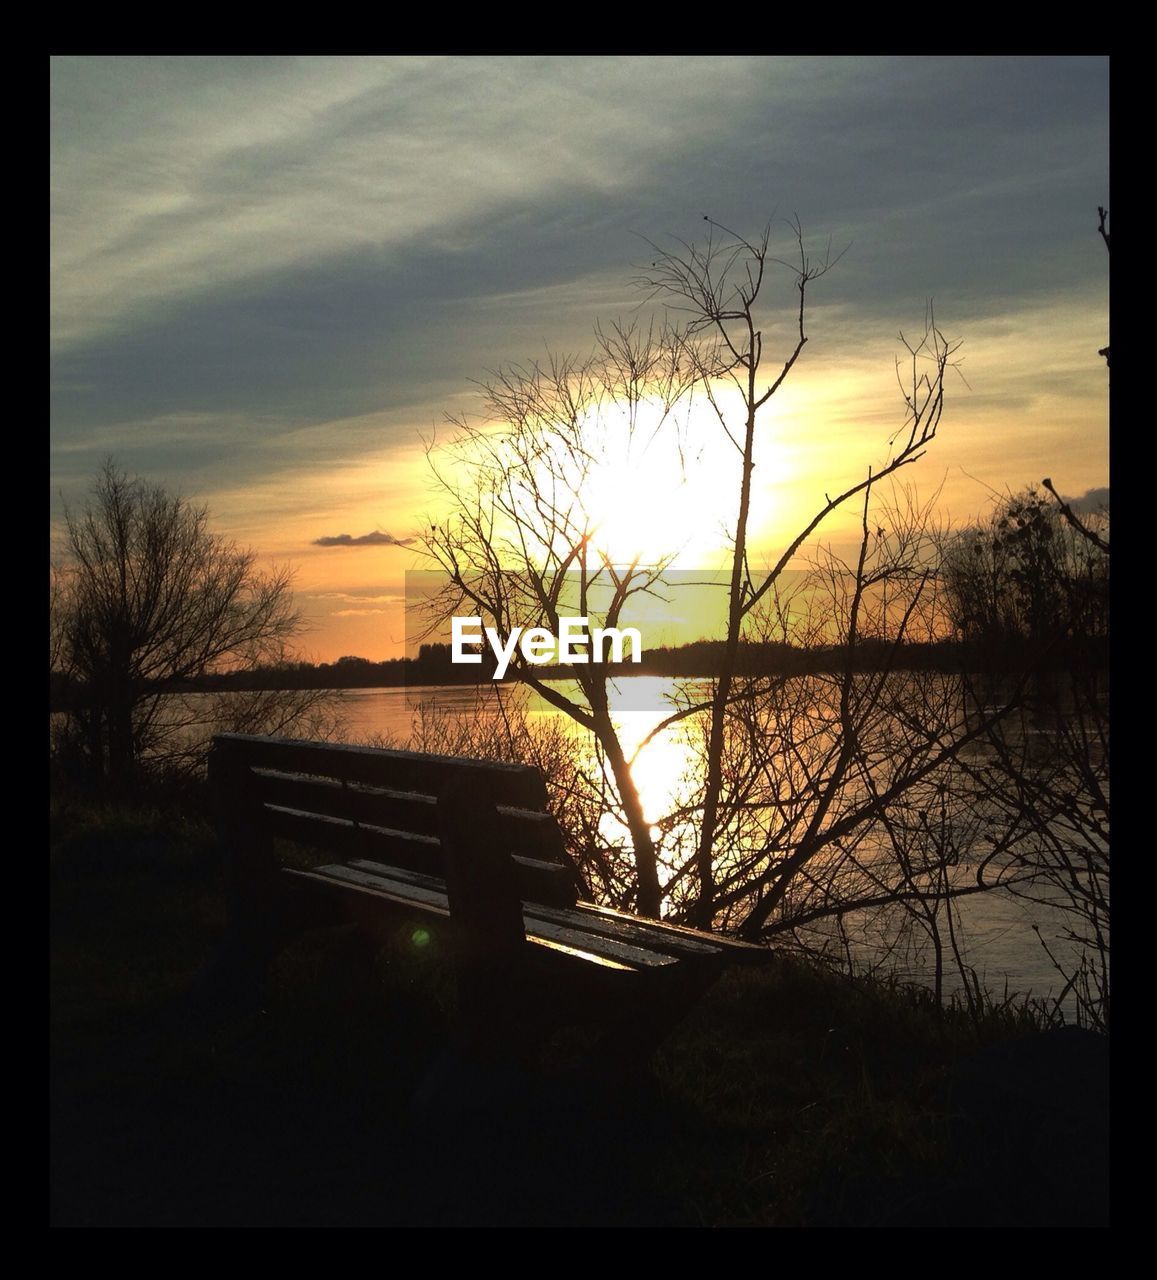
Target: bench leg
<point x="492" y="1052"/>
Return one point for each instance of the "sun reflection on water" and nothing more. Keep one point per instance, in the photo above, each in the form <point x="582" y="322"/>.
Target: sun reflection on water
<point x="663" y="764"/>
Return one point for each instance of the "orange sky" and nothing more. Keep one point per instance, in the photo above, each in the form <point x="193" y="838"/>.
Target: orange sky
<point x="1034" y="405"/>
<point x="273" y="277"/>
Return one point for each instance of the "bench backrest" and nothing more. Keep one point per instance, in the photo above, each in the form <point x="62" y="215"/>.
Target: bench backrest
<point x="381" y="806"/>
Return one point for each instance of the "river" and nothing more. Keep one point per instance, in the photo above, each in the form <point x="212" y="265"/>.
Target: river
<point x="997" y="931"/>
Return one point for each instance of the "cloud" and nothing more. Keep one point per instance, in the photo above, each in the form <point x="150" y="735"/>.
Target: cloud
<point x="1091" y="500"/>
<point x="347" y="597"/>
<point x="356" y="613"/>
<point x="177" y="177"/>
<point x="376" y="539"/>
<point x="269" y="275"/>
<point x="248" y="250"/>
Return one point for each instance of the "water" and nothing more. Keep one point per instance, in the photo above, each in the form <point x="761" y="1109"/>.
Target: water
<point x="395" y="714"/>
<point x="997" y="931"/>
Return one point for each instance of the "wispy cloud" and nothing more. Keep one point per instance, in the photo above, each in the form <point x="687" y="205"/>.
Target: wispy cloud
<point x="173" y="177"/>
<point x="349" y="597"/>
<point x="376" y="539"/>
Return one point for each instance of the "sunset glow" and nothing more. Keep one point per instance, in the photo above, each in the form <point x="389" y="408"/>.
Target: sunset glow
<point x="312" y="311"/>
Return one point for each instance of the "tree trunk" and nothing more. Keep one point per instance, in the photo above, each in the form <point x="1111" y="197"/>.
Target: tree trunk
<point x="650" y="897"/>
<point x="704" y="909"/>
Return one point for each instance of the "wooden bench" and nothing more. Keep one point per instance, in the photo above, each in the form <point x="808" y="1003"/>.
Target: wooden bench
<point x="468" y="851"/>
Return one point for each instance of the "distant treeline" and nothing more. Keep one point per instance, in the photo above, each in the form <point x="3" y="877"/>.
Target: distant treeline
<point x="700" y="658"/>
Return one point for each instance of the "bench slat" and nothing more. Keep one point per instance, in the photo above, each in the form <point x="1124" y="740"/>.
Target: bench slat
<point x="429" y="899"/>
<point x="541" y="927"/>
<point x="503" y="783"/>
<point x="629" y="929"/>
<point x="736" y="949"/>
<point x="530" y="833"/>
<point x="547" y="882"/>
<point x="436" y="902"/>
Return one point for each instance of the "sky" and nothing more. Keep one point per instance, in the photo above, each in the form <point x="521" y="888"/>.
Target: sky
<point x="273" y="279"/>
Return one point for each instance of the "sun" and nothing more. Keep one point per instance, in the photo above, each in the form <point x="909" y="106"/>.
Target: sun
<point x="629" y="485"/>
<point x="663" y="489"/>
<point x="636" y="498"/>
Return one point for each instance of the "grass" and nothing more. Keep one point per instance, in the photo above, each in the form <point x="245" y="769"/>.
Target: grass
<point x="787" y="1097"/>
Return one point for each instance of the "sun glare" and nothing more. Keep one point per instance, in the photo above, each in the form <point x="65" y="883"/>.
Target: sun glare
<point x="665" y="489"/>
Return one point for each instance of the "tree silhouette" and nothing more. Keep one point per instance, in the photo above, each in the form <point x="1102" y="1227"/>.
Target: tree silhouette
<point x="150" y="597"/>
<point x="720" y="286"/>
<point x="519" y="545"/>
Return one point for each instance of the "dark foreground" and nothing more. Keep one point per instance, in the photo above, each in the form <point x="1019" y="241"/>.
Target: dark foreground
<point x="786" y="1098"/>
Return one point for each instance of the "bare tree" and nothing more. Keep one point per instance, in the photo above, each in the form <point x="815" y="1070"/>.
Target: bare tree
<point x="719" y="285"/>
<point x="521" y="547"/>
<point x="856" y="787"/>
<point x="1029" y="588"/>
<point x="521" y="522"/>
<point x="150" y="597"/>
<point x="841" y="796"/>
